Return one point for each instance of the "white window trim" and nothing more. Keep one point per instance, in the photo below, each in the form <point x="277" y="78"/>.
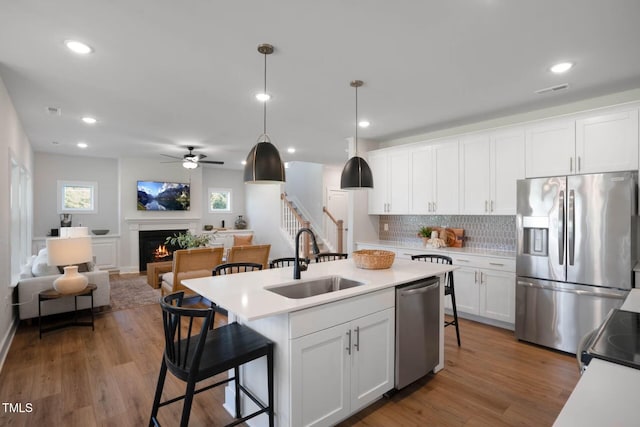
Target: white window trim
<point x="94" y="196"/>
<point x="220" y="190"/>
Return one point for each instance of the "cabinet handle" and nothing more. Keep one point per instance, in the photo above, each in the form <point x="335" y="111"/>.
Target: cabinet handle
<point x="475" y="277"/>
<point x="356" y="345"/>
<point x="579" y="165"/>
<point x="486" y="203"/>
<point x="462" y="260"/>
<point x="429" y="206"/>
<point x="349" y="345"/>
<point x="491" y="206"/>
<point x="435" y="207"/>
<point x="496" y="263"/>
<point x="570" y="164"/>
<point x="482" y="279"/>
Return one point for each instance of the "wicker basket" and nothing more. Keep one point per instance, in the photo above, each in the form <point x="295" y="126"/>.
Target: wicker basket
<point x="373" y="259"/>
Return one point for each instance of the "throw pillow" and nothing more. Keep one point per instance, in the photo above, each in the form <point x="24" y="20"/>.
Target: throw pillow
<point x="242" y="240"/>
<point x="41" y="266"/>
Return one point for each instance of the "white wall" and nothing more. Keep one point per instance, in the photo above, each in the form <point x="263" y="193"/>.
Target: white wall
<point x="263" y="215"/>
<point x="49" y="168"/>
<point x="13" y="143"/>
<point x="223" y="178"/>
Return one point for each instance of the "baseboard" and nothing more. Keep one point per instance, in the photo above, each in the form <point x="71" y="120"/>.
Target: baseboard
<point x="7" y="340"/>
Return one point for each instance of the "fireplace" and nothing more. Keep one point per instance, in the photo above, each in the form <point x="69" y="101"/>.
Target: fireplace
<point x="152" y="246"/>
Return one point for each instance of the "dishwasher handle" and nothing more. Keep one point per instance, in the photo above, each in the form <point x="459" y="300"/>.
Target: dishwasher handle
<point x="419" y="290"/>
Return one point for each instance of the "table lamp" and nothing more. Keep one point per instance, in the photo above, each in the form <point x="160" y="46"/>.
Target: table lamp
<point x="66" y="251"/>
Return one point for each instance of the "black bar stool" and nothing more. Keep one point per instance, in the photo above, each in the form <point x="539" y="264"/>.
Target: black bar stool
<point x="193" y="356"/>
<point x="448" y="285"/>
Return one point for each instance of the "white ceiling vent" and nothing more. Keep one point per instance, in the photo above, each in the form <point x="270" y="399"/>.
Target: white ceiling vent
<point x="552" y="88"/>
<point x="54" y="111"/>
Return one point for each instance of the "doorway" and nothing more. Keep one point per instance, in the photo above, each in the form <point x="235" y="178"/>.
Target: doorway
<point x="338" y="206"/>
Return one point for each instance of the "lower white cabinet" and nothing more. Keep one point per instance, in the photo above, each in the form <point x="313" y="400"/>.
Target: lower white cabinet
<point x="485" y="292"/>
<point x="105" y="252"/>
<point x="341" y="369"/>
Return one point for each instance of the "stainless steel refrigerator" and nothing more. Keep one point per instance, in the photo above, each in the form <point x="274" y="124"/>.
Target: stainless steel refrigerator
<point x="576" y="250"/>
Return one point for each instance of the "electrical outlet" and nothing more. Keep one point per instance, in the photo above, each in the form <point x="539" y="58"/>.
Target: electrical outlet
<point x="386" y="227"/>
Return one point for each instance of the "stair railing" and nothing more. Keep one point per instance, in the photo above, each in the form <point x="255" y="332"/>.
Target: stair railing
<point x="291" y="221"/>
<point x="339" y="229"/>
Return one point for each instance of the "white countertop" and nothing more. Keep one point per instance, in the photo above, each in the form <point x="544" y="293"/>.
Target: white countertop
<point x="245" y="295"/>
<point x="607" y="393"/>
<point x="420" y="246"/>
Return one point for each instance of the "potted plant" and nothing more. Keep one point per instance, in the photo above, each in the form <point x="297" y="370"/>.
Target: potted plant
<point x="188" y="240"/>
<point x="425" y="233"/>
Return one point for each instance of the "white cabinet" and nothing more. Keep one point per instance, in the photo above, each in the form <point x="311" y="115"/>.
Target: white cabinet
<point x="434" y="178"/>
<point x="105" y="252"/>
<point x="339" y="370"/>
<point x="485" y="287"/>
<point x="390" y="170"/>
<point x="550" y="148"/>
<point x="490" y="165"/>
<point x="593" y="142"/>
<point x="607" y="142"/>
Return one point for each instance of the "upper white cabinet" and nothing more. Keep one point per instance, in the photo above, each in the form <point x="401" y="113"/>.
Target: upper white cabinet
<point x="490" y="164"/>
<point x="607" y="142"/>
<point x="434" y="178"/>
<point x="603" y="141"/>
<point x="550" y="148"/>
<point x="390" y="193"/>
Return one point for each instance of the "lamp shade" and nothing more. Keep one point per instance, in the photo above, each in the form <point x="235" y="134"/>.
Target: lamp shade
<point x="264" y="165"/>
<point x="69" y="250"/>
<point x="356" y="174"/>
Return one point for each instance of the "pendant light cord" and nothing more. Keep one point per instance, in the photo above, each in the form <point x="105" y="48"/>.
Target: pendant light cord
<point x="356" y="143"/>
<point x="264" y="124"/>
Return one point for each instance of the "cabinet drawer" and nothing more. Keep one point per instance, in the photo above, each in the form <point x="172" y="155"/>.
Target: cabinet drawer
<point x="324" y="316"/>
<point x="473" y="261"/>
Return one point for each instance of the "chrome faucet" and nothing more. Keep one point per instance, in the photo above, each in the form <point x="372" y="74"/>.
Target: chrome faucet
<point x="297" y="265"/>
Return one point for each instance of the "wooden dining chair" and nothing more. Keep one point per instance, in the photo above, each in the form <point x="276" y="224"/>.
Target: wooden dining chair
<point x="449" y="289"/>
<point x="190" y="264"/>
<point x="194" y="353"/>
<point x="258" y="254"/>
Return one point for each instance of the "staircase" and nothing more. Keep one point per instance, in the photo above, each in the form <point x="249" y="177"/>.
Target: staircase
<point x="292" y="220"/>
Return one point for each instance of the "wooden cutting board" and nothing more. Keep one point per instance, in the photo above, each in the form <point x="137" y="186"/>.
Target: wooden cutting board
<point x="454" y="236"/>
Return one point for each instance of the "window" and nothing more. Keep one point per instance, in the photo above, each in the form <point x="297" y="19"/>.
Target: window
<point x="77" y="197"/>
<point x="219" y="200"/>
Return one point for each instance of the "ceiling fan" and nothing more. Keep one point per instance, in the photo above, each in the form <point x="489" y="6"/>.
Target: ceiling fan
<point x="191" y="161"/>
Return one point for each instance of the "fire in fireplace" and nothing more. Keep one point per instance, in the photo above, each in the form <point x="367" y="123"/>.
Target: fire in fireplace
<point x="152" y="246"/>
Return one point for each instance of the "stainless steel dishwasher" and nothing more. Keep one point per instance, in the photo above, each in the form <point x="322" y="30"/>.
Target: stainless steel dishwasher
<point x="417" y="329"/>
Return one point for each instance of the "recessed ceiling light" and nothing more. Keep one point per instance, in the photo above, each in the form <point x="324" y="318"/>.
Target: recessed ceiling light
<point x="89" y="120"/>
<point x="561" y="67"/>
<point x="263" y="97"/>
<point x="244" y="162"/>
<point x="78" y="47"/>
<point x="82" y="144"/>
<point x="364" y="124"/>
<point x="291" y="150"/>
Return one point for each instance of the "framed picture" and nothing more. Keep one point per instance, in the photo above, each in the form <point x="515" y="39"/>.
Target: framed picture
<point x="219" y="200"/>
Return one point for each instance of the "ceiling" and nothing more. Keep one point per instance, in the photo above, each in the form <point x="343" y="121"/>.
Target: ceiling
<point x="167" y="74"/>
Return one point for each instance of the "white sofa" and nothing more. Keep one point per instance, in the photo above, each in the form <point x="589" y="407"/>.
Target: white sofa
<point x="38" y="276"/>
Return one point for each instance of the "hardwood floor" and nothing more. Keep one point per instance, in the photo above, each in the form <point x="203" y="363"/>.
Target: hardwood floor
<point x="76" y="377"/>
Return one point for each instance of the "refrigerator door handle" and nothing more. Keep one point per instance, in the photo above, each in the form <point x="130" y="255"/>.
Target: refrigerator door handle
<point x="574" y="291"/>
<point x="571" y="219"/>
<point x="561" y="228"/>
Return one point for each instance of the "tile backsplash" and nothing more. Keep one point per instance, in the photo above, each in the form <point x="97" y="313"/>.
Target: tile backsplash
<point x="496" y="232"/>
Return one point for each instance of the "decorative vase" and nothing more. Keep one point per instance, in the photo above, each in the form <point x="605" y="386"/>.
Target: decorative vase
<point x="71" y="282"/>
<point x="240" y="223"/>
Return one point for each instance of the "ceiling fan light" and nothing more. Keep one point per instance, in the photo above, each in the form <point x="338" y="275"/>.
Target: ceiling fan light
<point x="356" y="174"/>
<point x="264" y="165"/>
<point x="189" y="165"/>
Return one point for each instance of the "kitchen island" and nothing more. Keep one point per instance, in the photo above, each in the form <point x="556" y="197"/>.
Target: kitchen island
<point x="323" y="373"/>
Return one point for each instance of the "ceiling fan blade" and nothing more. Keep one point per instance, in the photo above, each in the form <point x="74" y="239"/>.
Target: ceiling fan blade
<point x="201" y="156"/>
<point x="172" y="157"/>
<point x="212" y="162"/>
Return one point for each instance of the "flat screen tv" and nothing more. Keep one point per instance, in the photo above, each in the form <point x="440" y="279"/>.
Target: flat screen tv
<point x="163" y="196"/>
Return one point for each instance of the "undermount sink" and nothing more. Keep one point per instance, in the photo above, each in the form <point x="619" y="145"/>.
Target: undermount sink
<point x="313" y="287"/>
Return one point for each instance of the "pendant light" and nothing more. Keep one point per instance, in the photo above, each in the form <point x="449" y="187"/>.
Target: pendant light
<point x="263" y="165"/>
<point x="356" y="173"/>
